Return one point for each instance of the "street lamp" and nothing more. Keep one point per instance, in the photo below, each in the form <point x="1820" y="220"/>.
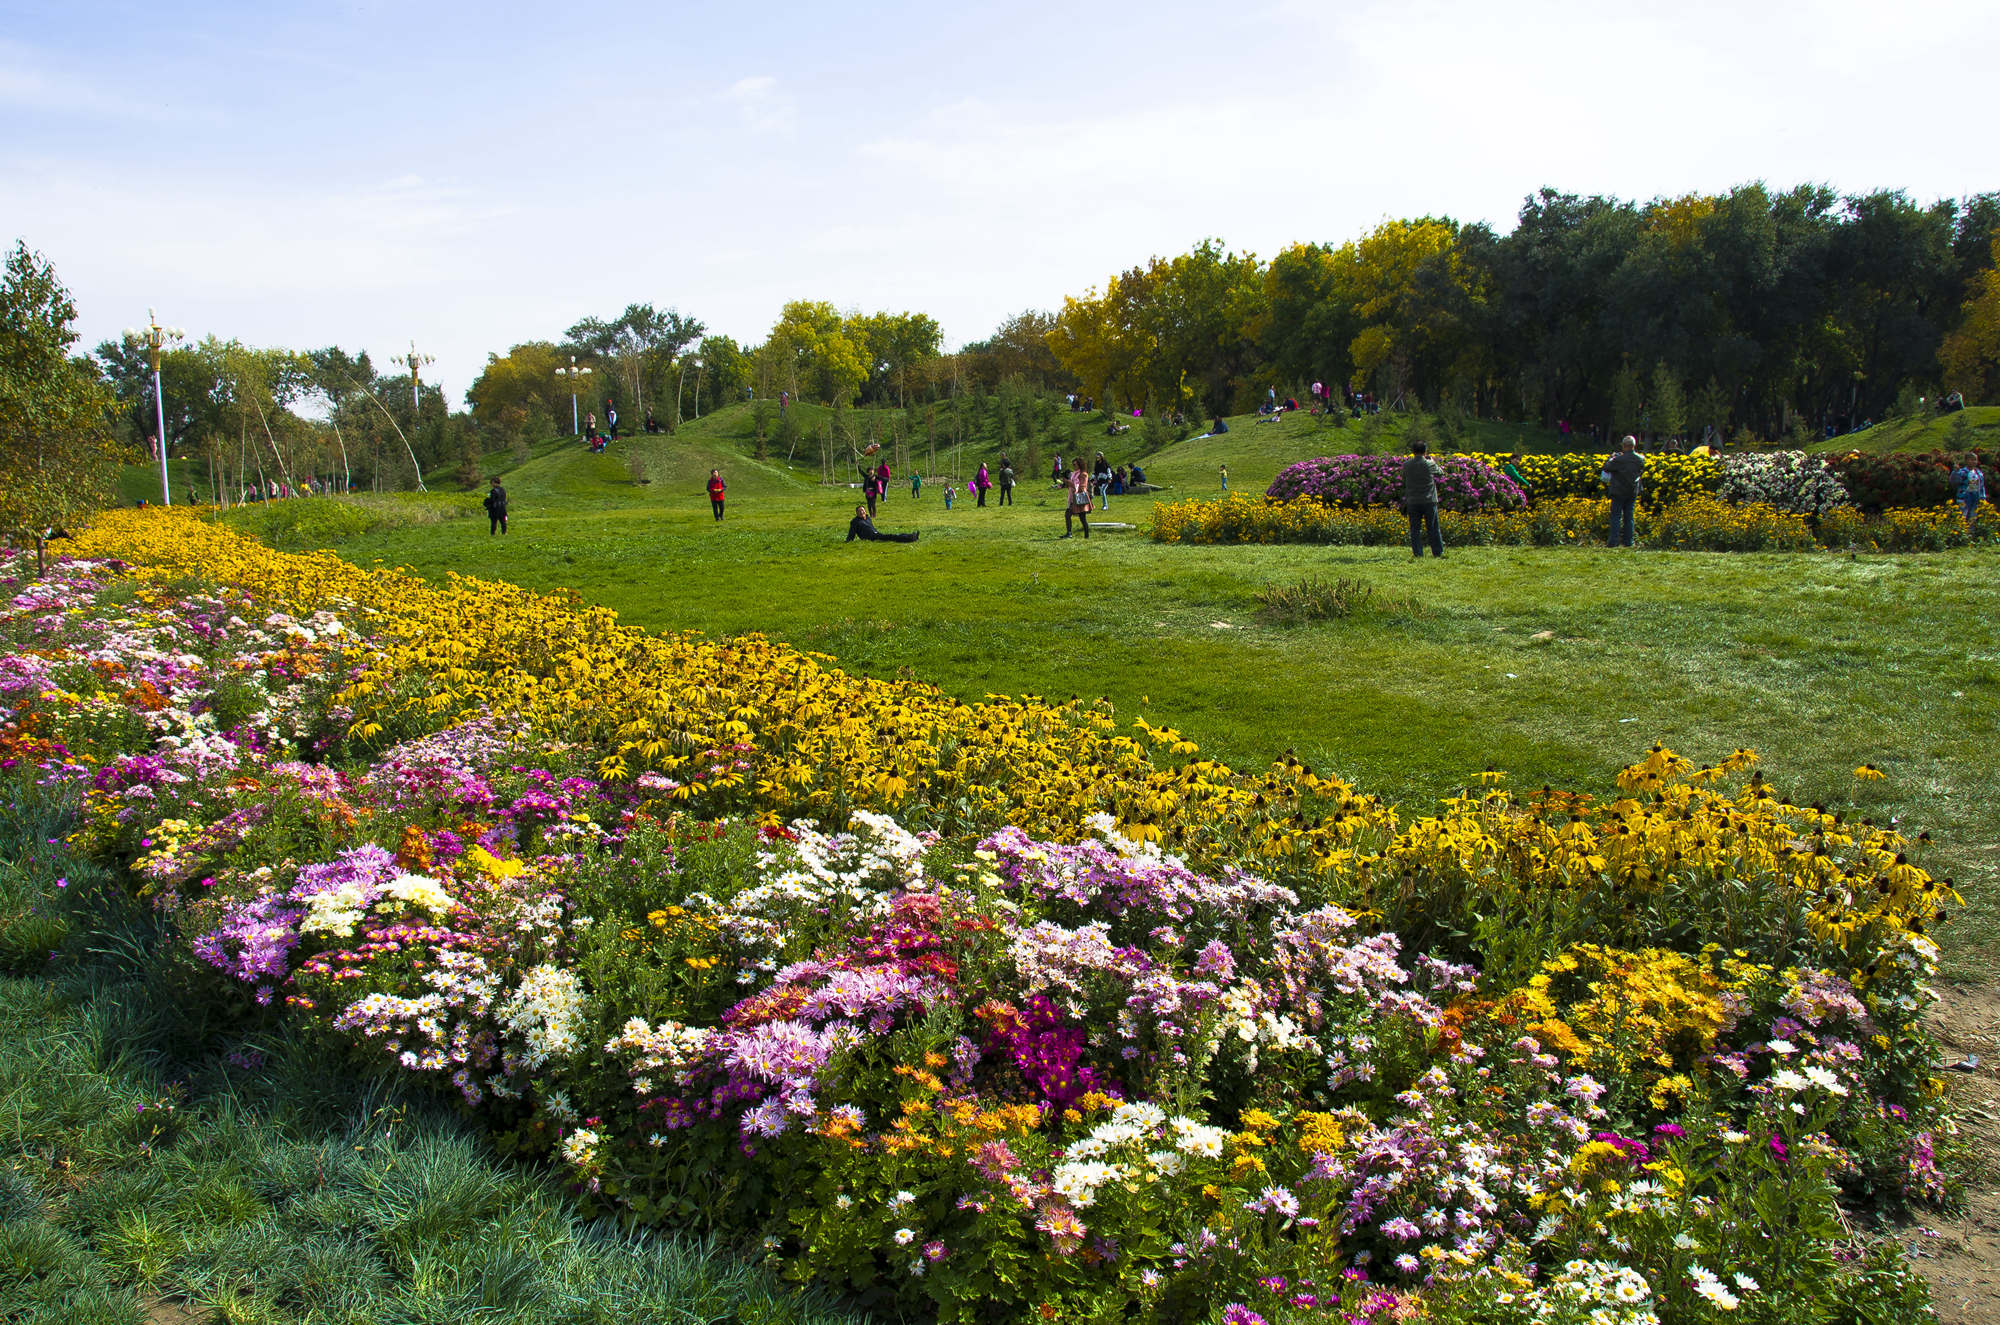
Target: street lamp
<point x="413" y="361"/>
<point x="153" y="339"/>
<point x="575" y="375"/>
<point x="697" y="386"/>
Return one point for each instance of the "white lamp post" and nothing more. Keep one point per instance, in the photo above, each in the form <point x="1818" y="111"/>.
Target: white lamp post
<point x="697" y="386"/>
<point x="155" y="337"/>
<point x="575" y="375"/>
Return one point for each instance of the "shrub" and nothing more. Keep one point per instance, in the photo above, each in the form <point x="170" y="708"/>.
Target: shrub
<point x="1316" y="598"/>
<point x="1463" y="484"/>
<point x="1668" y="478"/>
<point x="1785" y="480"/>
<point x="1703" y="524"/>
<point x="1899" y="530"/>
<point x="1879" y="482"/>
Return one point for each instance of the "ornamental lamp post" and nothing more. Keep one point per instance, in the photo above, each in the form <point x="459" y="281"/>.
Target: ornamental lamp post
<point x="574" y="374"/>
<point x="414" y="362"/>
<point x="697" y="386"/>
<point x="153" y="339"/>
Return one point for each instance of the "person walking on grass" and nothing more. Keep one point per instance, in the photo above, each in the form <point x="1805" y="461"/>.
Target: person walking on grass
<point x="1078" y="506"/>
<point x="716" y="489"/>
<point x="496" y="509"/>
<point x="1420" y="501"/>
<point x="1006" y="481"/>
<point x="883" y="475"/>
<point x="916" y="484"/>
<point x="1100" y="480"/>
<point x="1621" y="478"/>
<point x="871" y="489"/>
<point x="862" y="526"/>
<point x="1225" y="478"/>
<point x="1968" y="485"/>
<point x="983" y="482"/>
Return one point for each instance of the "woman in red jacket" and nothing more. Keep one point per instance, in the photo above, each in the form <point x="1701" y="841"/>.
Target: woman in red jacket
<point x="716" y="487"/>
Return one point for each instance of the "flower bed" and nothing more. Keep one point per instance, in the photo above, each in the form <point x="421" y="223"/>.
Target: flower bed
<point x="1694" y="524"/>
<point x="1668" y="479"/>
<point x="1464" y="484"/>
<point x="1131" y="1035"/>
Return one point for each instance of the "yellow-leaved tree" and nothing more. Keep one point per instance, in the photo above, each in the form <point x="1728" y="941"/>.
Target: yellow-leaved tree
<point x="1970" y="355"/>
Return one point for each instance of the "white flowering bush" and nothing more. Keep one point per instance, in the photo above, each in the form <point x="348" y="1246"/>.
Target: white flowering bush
<point x="1791" y="481"/>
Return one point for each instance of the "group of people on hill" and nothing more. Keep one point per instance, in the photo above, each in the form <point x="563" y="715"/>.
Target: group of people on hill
<point x="597" y="440"/>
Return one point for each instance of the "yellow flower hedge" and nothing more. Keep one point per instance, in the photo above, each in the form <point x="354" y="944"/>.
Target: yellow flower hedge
<point x="748" y="725"/>
<point x="1668" y="479"/>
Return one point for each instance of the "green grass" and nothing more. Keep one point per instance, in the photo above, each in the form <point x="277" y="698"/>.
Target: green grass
<point x="137" y="483"/>
<point x="147" y="1177"/>
<point x="1557" y="665"/>
<point x="1933" y="433"/>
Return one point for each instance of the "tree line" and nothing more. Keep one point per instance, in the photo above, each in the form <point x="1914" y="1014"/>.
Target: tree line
<point x="1754" y="312"/>
<point x="1751" y="309"/>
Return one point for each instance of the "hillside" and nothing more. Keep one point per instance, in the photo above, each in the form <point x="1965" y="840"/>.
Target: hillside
<point x="1977" y="426"/>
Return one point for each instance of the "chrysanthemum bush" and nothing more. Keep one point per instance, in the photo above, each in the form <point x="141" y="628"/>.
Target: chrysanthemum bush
<point x="1790" y="481"/>
<point x="1161" y="1039"/>
<point x="1692" y="524"/>
<point x="1669" y="478"/>
<point x="1464" y="484"/>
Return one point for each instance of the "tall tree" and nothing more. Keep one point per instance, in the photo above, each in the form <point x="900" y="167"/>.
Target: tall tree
<point x="58" y="461"/>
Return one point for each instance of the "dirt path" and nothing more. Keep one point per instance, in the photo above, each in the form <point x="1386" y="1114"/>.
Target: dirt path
<point x="1961" y="1255"/>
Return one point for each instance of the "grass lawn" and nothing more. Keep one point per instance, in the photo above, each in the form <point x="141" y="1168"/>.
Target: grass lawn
<point x="1933" y="433"/>
<point x="1558" y="666"/>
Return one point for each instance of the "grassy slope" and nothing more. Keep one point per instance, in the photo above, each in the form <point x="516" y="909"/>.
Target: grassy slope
<point x="1920" y="435"/>
<point x="145" y="1177"/>
<point x="1820" y="661"/>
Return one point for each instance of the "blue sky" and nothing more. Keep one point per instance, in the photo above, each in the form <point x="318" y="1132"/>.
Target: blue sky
<point x="474" y="175"/>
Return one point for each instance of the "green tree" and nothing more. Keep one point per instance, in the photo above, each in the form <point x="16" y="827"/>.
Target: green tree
<point x="1709" y="408"/>
<point x="1669" y="410"/>
<point x="1628" y="401"/>
<point x="58" y="460"/>
<point x="812" y="350"/>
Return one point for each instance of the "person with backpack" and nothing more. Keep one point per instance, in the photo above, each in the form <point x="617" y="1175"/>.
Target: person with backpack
<point x="716" y="489"/>
<point x="496" y="509"/>
<point x="1968" y="485"/>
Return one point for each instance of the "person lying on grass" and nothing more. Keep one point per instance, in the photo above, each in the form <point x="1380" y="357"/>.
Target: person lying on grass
<point x="863" y="528"/>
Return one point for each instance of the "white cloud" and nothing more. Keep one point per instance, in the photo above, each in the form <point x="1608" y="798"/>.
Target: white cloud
<point x="764" y="108"/>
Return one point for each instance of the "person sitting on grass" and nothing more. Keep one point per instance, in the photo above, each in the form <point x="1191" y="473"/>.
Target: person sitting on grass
<point x="1219" y="427"/>
<point x="863" y="528"/>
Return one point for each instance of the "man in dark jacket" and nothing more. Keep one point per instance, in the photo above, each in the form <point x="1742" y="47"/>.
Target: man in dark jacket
<point x="863" y="528"/>
<point x="1621" y="477"/>
<point x="496" y="509"/>
<point x="1420" y="501"/>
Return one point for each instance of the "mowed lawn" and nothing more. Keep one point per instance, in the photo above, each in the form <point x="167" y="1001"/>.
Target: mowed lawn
<point x="1556" y="665"/>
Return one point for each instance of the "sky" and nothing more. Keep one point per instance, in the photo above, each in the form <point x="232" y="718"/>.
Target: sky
<point x="468" y="176"/>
